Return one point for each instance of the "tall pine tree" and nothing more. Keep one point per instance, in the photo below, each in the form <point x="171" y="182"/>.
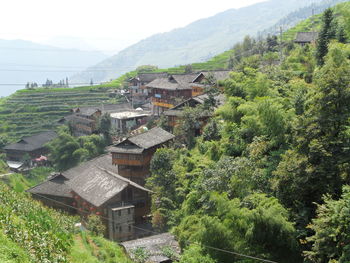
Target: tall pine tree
<point x="327" y="33"/>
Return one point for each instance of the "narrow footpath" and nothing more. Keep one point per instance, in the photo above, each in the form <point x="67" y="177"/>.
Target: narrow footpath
<point x="3" y="175"/>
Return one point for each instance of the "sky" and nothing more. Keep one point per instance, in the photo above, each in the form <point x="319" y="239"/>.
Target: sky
<point x="108" y="25"/>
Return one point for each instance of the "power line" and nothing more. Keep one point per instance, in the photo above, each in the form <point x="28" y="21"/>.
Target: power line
<point x="157" y="233"/>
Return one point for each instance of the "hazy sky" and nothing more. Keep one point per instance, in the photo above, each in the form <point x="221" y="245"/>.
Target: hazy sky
<point x="102" y="24"/>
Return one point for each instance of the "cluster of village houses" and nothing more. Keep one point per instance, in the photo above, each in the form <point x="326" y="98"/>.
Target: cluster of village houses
<point x="113" y="185"/>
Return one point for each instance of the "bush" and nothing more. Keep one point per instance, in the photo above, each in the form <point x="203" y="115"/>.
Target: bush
<point x="95" y="225"/>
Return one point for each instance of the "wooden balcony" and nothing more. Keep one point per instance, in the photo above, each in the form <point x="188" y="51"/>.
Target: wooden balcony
<point x="162" y="103"/>
<point x="131" y="159"/>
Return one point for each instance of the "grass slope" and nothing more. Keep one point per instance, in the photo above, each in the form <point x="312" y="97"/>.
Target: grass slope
<point x="30" y="232"/>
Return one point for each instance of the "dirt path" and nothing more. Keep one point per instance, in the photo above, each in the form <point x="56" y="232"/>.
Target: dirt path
<point x="3" y="175"/>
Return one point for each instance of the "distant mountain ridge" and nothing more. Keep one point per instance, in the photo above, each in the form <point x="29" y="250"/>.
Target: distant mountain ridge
<point x="196" y="42"/>
<point x="24" y="61"/>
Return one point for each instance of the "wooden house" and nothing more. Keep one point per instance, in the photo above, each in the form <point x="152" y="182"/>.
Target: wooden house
<point x="170" y="91"/>
<point x="94" y="187"/>
<point x="207" y="79"/>
<point x="303" y="38"/>
<point x="120" y="202"/>
<point x="133" y="155"/>
<point x="54" y="193"/>
<point x="85" y="121"/>
<point x="56" y="188"/>
<point x="32" y="146"/>
<point x="139" y="92"/>
<point x="174" y="115"/>
<point x="129" y="120"/>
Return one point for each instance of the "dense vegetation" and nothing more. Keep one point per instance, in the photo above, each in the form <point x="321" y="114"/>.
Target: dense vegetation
<point x="268" y="177"/>
<point x="30" y="232"/>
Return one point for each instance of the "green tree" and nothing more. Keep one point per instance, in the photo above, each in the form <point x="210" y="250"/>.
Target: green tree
<point x="319" y="162"/>
<point x="163" y="182"/>
<point x="189" y="125"/>
<point x="95" y="225"/>
<point x="211" y="131"/>
<point x="146" y="68"/>
<point x="195" y="254"/>
<point x="327" y="33"/>
<point x="3" y="141"/>
<point x="64" y="151"/>
<point x="330" y="242"/>
<point x="256" y="224"/>
<point x="341" y="34"/>
<point x="104" y="127"/>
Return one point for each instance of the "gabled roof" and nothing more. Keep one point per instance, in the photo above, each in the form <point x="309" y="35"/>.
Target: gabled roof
<point x="192" y="102"/>
<point x="32" y="143"/>
<point x="173" y="82"/>
<point x="148" y="77"/>
<point x="184" y="79"/>
<point x="87" y="111"/>
<point x="104" y="161"/>
<point x="136" y="144"/>
<point x="108" y="108"/>
<point x="217" y="75"/>
<point x="55" y="186"/>
<point x="130" y="114"/>
<point x="98" y="185"/>
<point x="306" y="37"/>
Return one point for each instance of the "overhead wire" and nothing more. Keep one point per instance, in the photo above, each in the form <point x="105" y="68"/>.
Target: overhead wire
<point x="157" y="233"/>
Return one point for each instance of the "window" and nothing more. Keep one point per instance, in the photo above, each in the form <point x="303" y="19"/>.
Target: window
<point x="129" y="228"/>
<point x="119" y="213"/>
<point x="120" y="229"/>
<point x="129" y="211"/>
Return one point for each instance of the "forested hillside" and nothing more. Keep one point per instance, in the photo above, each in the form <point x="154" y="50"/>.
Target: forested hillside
<point x="269" y="176"/>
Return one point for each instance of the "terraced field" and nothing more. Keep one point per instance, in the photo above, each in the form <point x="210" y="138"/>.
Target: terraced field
<point x="30" y="111"/>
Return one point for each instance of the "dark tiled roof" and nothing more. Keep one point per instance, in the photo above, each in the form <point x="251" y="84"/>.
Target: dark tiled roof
<point x="99" y="185"/>
<point x="151" y="138"/>
<point x="173" y="112"/>
<point x="306" y="37"/>
<point x="103" y="161"/>
<point x="153" y="245"/>
<point x="165" y="83"/>
<point x="88" y="111"/>
<point x="184" y="79"/>
<point x="148" y="77"/>
<point x="131" y="149"/>
<point x="200" y="99"/>
<point x="32" y="143"/>
<point x="173" y="82"/>
<point x="217" y="75"/>
<point x="55" y="186"/>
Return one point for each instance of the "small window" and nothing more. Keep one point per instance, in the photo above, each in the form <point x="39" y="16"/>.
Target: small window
<point x="129" y="211"/>
<point x="119" y="213"/>
<point x="120" y="229"/>
<point x="129" y="228"/>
